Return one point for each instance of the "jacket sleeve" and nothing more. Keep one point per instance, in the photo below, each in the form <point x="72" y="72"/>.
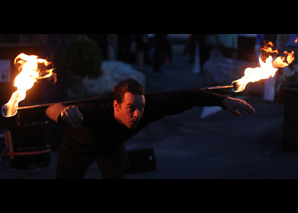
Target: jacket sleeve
<point x="170" y="103"/>
<point x="89" y="112"/>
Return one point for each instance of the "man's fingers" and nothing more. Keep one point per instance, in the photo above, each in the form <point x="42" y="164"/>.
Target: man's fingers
<point x="246" y="106"/>
<point x="242" y="105"/>
<point x="72" y="115"/>
<point x="81" y="116"/>
<point x="65" y="116"/>
<point x="232" y="104"/>
<point x="236" y="113"/>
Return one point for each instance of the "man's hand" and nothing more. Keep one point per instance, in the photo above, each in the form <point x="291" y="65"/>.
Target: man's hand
<point x="232" y="104"/>
<point x="72" y="115"/>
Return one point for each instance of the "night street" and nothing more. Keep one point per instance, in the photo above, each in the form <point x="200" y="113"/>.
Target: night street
<point x="201" y="143"/>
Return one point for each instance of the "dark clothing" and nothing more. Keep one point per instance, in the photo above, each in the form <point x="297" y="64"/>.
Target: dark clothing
<point x="124" y="48"/>
<point x="101" y="137"/>
<point x="141" y="42"/>
<point x="204" y="49"/>
<point x="160" y="51"/>
<point x="246" y="48"/>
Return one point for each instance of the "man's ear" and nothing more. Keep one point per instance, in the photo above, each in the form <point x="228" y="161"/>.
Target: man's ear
<point x="116" y="105"/>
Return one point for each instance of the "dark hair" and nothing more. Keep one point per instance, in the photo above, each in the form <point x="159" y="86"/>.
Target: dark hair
<point x="127" y="85"/>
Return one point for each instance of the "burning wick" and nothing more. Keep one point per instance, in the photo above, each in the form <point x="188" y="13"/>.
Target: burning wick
<point x="32" y="69"/>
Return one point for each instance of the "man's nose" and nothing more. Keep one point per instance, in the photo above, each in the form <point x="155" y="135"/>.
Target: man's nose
<point x="136" y="113"/>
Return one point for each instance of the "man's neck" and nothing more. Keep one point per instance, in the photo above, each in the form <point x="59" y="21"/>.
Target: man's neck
<point x="118" y="120"/>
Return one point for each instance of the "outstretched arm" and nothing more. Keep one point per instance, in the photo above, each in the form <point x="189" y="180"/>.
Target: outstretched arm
<point x="170" y="103"/>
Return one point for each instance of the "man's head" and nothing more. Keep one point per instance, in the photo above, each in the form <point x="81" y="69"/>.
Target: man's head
<point x="129" y="102"/>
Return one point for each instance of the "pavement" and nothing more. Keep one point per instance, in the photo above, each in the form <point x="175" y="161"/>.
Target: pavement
<point x="201" y="143"/>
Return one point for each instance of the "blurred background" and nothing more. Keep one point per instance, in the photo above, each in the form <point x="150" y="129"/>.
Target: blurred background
<point x="202" y="143"/>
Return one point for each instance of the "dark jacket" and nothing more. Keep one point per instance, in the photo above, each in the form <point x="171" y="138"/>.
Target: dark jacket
<point x="100" y="129"/>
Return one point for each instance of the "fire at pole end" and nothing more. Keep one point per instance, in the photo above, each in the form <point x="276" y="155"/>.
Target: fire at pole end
<point x="236" y="87"/>
<point x="5" y="111"/>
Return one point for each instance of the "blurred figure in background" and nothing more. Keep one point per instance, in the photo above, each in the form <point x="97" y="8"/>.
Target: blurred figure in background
<point x="169" y="54"/>
<point x="228" y="45"/>
<point x="141" y="47"/>
<point x="258" y="45"/>
<point x="112" y="46"/>
<point x="160" y="42"/>
<point x="246" y="47"/>
<point x="204" y="49"/>
<point x="124" y="48"/>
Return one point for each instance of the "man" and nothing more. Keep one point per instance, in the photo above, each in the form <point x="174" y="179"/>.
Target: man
<point x="96" y="131"/>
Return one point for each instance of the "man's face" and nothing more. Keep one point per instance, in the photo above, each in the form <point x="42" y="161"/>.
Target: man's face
<point x="130" y="111"/>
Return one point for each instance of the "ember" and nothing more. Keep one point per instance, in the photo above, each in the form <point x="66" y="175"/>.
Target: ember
<point x="32" y="69"/>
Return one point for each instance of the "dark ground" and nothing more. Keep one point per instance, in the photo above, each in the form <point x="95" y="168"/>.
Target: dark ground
<point x="187" y="146"/>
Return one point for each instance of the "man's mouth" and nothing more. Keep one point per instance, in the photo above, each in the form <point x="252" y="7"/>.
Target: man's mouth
<point x="134" y="122"/>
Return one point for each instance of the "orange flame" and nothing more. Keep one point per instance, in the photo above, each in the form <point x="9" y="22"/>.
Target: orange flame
<point x="268" y="67"/>
<point x="32" y="69"/>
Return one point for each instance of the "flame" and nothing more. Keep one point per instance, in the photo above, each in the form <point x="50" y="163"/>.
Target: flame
<point x="267" y="69"/>
<point x="32" y="69"/>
